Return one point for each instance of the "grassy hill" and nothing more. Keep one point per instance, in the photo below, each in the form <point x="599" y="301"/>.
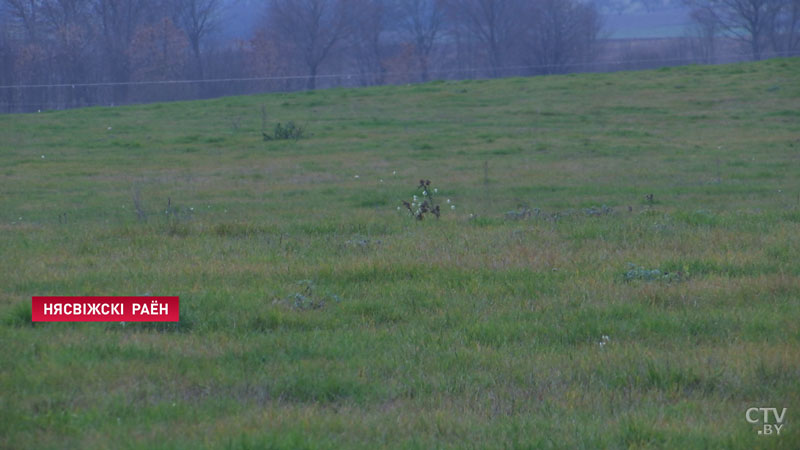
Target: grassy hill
<point x="657" y="213"/>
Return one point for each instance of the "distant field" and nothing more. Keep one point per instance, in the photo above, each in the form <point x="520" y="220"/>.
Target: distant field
<point x="317" y="315"/>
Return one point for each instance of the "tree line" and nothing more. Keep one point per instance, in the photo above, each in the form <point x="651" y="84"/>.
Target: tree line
<point x="762" y="27"/>
<point x="72" y="53"/>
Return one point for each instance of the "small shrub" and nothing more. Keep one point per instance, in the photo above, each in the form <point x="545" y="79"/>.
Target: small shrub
<point x="635" y="272"/>
<point x="308" y="299"/>
<point x="281" y="132"/>
<point x="419" y="207"/>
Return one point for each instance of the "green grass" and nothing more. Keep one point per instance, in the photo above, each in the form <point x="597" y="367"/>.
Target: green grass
<point x="315" y="315"/>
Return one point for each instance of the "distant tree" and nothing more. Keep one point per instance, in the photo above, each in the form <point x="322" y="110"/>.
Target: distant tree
<point x="703" y="33"/>
<point x="311" y="29"/>
<point x="421" y="22"/>
<point x="70" y="31"/>
<point x="561" y="32"/>
<point x="158" y="51"/>
<point x="55" y="14"/>
<point x="496" y="24"/>
<point x="748" y="21"/>
<point x="264" y="58"/>
<point x="784" y="31"/>
<point x="368" y="21"/>
<point x="31" y="61"/>
<point x="197" y="19"/>
<point x="8" y="56"/>
<point x="118" y="21"/>
<point x="27" y="13"/>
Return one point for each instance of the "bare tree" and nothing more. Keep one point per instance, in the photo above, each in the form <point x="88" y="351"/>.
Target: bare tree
<point x="32" y="62"/>
<point x="421" y="22"/>
<point x="8" y="55"/>
<point x="496" y="24"/>
<point x="60" y="13"/>
<point x="747" y="21"/>
<point x="262" y="56"/>
<point x="70" y="30"/>
<point x="158" y="51"/>
<point x="311" y="28"/>
<point x="368" y="25"/>
<point x="118" y="21"/>
<point x="703" y="33"/>
<point x="27" y="13"/>
<point x="784" y="31"/>
<point x="197" y="18"/>
<point x="561" y="32"/>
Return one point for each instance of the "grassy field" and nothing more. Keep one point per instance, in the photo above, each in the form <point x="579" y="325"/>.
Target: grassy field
<point x="314" y="314"/>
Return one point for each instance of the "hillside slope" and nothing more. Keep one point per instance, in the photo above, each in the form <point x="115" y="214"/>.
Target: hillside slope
<point x="616" y="266"/>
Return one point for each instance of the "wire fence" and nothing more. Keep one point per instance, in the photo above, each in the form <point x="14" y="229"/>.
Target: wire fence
<point x="40" y="97"/>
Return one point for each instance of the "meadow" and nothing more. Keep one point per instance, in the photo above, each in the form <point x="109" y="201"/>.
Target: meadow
<point x="620" y="268"/>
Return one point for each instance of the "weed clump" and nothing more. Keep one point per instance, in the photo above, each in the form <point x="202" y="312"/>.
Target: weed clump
<point x="419" y="207"/>
<point x="308" y="299"/>
<point x="280" y="132"/>
<point x="290" y="131"/>
<point x="635" y="272"/>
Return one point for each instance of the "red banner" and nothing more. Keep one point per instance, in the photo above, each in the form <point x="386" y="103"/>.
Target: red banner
<point x="104" y="309"/>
